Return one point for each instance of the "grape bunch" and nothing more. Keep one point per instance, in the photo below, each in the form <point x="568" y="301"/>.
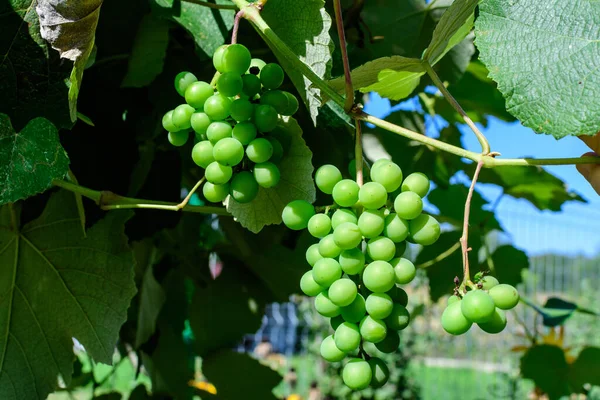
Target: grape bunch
<point x="484" y="305"/>
<point x="357" y="264"/>
<point x="235" y="123"/>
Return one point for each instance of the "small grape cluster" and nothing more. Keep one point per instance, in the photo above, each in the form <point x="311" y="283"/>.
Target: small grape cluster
<point x="233" y="123"/>
<point x="357" y="264"/>
<point x="484" y="305"/>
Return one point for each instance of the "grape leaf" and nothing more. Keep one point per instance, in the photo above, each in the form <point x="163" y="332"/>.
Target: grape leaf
<point x="296" y="183"/>
<point x="58" y="285"/>
<point x="557" y="311"/>
<point x="32" y="76"/>
<point x="30" y="159"/>
<point x="304" y="27"/>
<point x="547" y="366"/>
<point x="586" y="369"/>
<point x="509" y="263"/>
<point x="149" y="50"/>
<point x="543" y="56"/>
<point x="152" y="298"/>
<point x="210" y="28"/>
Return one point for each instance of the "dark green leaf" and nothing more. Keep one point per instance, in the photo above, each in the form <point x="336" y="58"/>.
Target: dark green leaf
<point x="29" y="160"/>
<point x="586" y="369"/>
<point x="547" y="367"/>
<point x="152" y="298"/>
<point x="509" y="263"/>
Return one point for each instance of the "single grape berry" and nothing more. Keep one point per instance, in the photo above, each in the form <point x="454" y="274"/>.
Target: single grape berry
<point x="297" y="214"/>
<point x="379" y="305"/>
<point x="452" y="299"/>
<point x="326" y="178"/>
<point x="390" y="343"/>
<point x="381" y="248"/>
<point x="277" y="150"/>
<point x="389" y="175"/>
<point x="217" y="131"/>
<point x="347" y="236"/>
<point x="400" y="249"/>
<point x="488" y="282"/>
<point x="228" y="151"/>
<point x="328" y="248"/>
<point x="197" y="93"/>
<point x="352" y="261"/>
<point x="178" y="138"/>
<point x="271" y="76"/>
<point x="236" y="58"/>
<point x="416" y="182"/>
<point x="256" y="65"/>
<point x="453" y="320"/>
<point x="265" y="118"/>
<point x="267" y="174"/>
<point x="505" y="296"/>
<point x="398" y="295"/>
<point x="313" y="255"/>
<point x="229" y="84"/>
<point x="200" y="122"/>
<point x="329" y="350"/>
<point x="380" y="372"/>
<point x="357" y="374"/>
<point x="245" y="132"/>
<point x="292" y="105"/>
<point x="308" y="285"/>
<point x="356" y="311"/>
<point x="345" y="193"/>
<point x="496" y="323"/>
<point x="241" y="110"/>
<point x="218" y="58"/>
<point x="217" y="107"/>
<point x="371" y="223"/>
<point x="347" y="337"/>
<point x="325" y="306"/>
<point x="167" y="122"/>
<point x="182" y="116"/>
<point x="202" y="153"/>
<point x="408" y="205"/>
<point x="343" y="215"/>
<point x="399" y="318"/>
<point x="404" y="269"/>
<point x="319" y="225"/>
<point x="424" y="230"/>
<point x="250" y="85"/>
<point x="243" y="187"/>
<point x="215" y="193"/>
<point x="372" y="330"/>
<point x="335" y="322"/>
<point x="372" y="195"/>
<point x="259" y="150"/>
<point x="396" y="228"/>
<point x="183" y="80"/>
<point x="379" y="276"/>
<point x="217" y="173"/>
<point x="477" y="306"/>
<point x="342" y="292"/>
<point x="276" y="99"/>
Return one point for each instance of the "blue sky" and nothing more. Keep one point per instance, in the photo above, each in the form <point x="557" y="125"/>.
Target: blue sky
<point x="572" y="231"/>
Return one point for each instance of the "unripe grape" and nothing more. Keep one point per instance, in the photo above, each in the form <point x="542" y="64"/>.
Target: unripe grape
<point x="357" y="374"/>
<point x="372" y="330"/>
<point x="241" y="110"/>
<point x="390" y="343"/>
<point x="319" y="225"/>
<point x="256" y="65"/>
<point x="335" y="322"/>
<point x="345" y="193"/>
<point x="259" y="150"/>
<point x="396" y="228"/>
<point x="398" y="295"/>
<point x="381" y="248"/>
<point x="217" y="107"/>
<point x="505" y="296"/>
<point x="236" y="58"/>
<point x="297" y="214"/>
<point x="229" y="84"/>
<point x="343" y="215"/>
<point x="347" y="337"/>
<point x="178" y="139"/>
<point x="277" y="150"/>
<point x="250" y="85"/>
<point x="329" y="350"/>
<point x="217" y="173"/>
<point x="380" y="162"/>
<point x="488" y="282"/>
<point x="347" y="236"/>
<point x="218" y="58"/>
<point x="328" y="248"/>
<point x="372" y="195"/>
<point x="389" y="175"/>
<point x="267" y="174"/>
<point x="217" y="131"/>
<point x="404" y="270"/>
<point x="354" y="312"/>
<point x="265" y="118"/>
<point x="276" y="99"/>
<point x="325" y="306"/>
<point x="313" y="255"/>
<point x="453" y="320"/>
<point x="182" y="116"/>
<point x="271" y="76"/>
<point x="398" y="319"/>
<point x="496" y="323"/>
<point x="183" y="80"/>
<point x="342" y="292"/>
<point x="167" y="122"/>
<point x="379" y="305"/>
<point x="380" y="372"/>
<point x="245" y="132"/>
<point x="197" y="93"/>
<point x="408" y="205"/>
<point x="228" y="151"/>
<point x="424" y="230"/>
<point x="308" y="285"/>
<point x="202" y="153"/>
<point x="244" y="187"/>
<point x="326" y="271"/>
<point x="371" y="223"/>
<point x="453" y="299"/>
<point x="379" y="276"/>
<point x="416" y="182"/>
<point x="215" y="193"/>
<point x="292" y="105"/>
<point x="352" y="261"/>
<point x="200" y="122"/>
<point x="326" y="178"/>
<point x="477" y="306"/>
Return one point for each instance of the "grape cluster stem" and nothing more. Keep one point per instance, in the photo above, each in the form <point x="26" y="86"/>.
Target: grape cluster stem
<point x="465" y="234"/>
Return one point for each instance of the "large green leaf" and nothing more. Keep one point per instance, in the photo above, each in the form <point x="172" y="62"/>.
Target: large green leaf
<point x="547" y="366"/>
<point x="32" y="76"/>
<point x="304" y="27"/>
<point x="30" y="159"/>
<point x="152" y="298"/>
<point x="57" y="285"/>
<point x="509" y="262"/>
<point x="209" y="28"/>
<point x="296" y="183"/>
<point x="543" y="56"/>
<point x="586" y="369"/>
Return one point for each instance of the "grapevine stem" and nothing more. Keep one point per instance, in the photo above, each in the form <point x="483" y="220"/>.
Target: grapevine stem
<point x="212" y="5"/>
<point x="236" y="26"/>
<point x="485" y="146"/>
<point x="465" y="234"/>
<point x="339" y="21"/>
<point x="190" y="194"/>
<point x="111" y="201"/>
<point x="358" y="153"/>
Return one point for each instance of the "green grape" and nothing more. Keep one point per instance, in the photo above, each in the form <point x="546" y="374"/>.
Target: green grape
<point x="244" y="187"/>
<point x="342" y="292"/>
<point x="329" y="350"/>
<point x="343" y="215"/>
<point x="390" y="343"/>
<point x="505" y="296"/>
<point x="326" y="178"/>
<point x="277" y="150"/>
<point x="197" y="94"/>
<point x="217" y="173"/>
<point x="453" y="299"/>
<point x="178" y="138"/>
<point x="496" y="323"/>
<point x="357" y="374"/>
<point x="396" y="228"/>
<point x="389" y="175"/>
<point x="453" y="320"/>
<point x="345" y="193"/>
<point x="372" y="195"/>
<point x="308" y="285"/>
<point x="245" y="132"/>
<point x="265" y="118"/>
<point x="355" y="311"/>
<point x="379" y="305"/>
<point x="404" y="269"/>
<point x="398" y="295"/>
<point x="229" y="84"/>
<point x="381" y="248"/>
<point x="217" y="107"/>
<point x="292" y="104"/>
<point x="276" y="99"/>
<point x="256" y="65"/>
<point x="400" y="249"/>
<point x="183" y="80"/>
<point x="379" y="276"/>
<point x="319" y="225"/>
<point x="259" y="150"/>
<point x="372" y="330"/>
<point x="416" y="182"/>
<point x="182" y="116"/>
<point x="297" y="214"/>
<point x="424" y="230"/>
<point x="347" y="236"/>
<point x="241" y="110"/>
<point x="371" y="223"/>
<point x="313" y="255"/>
<point x="217" y="131"/>
<point x="215" y="193"/>
<point x="250" y="85"/>
<point x="380" y="372"/>
<point x="325" y="306"/>
<point x="335" y="322"/>
<point x="236" y="58"/>
<point x="399" y="318"/>
<point x="477" y="306"/>
<point x="380" y="162"/>
<point x="271" y="76"/>
<point x="218" y="58"/>
<point x="328" y="248"/>
<point x="408" y="205"/>
<point x="228" y="151"/>
<point x="488" y="282"/>
<point x="267" y="174"/>
<point x="347" y="337"/>
<point x="352" y="261"/>
<point x="200" y="122"/>
<point x="326" y="271"/>
<point x="202" y="153"/>
<point x="167" y="122"/>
